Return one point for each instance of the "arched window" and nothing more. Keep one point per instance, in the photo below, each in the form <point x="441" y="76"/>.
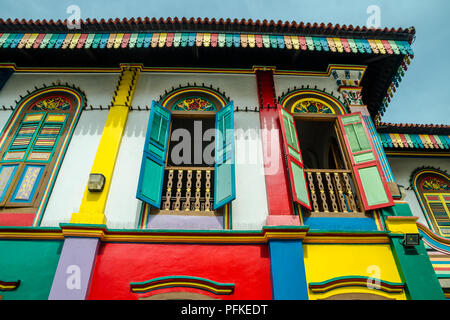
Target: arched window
<point x="331" y="159"/>
<point x="432" y="188"/>
<point x="188" y="160"/>
<point x="33" y="145"/>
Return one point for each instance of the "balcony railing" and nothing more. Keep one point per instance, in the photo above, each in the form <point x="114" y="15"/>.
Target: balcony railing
<point x="332" y="191"/>
<point x="188" y="190"/>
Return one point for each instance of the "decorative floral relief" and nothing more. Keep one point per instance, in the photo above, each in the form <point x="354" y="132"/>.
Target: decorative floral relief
<point x="28" y="183"/>
<point x="311" y="106"/>
<point x="434" y="183"/>
<point x="5" y="174"/>
<point x="194" y="104"/>
<point x="352" y="97"/>
<point x="53" y="103"/>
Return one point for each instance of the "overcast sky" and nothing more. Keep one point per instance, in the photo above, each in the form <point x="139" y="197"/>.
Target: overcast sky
<point x="423" y="95"/>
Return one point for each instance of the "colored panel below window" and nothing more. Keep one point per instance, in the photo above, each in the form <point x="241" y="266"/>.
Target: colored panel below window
<point x="6" y="175"/>
<point x="33" y="117"/>
<point x="39" y="156"/>
<point x="28" y="183"/>
<point x="14" y="155"/>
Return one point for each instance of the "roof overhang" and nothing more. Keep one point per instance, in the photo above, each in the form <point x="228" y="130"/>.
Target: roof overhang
<point x="213" y="44"/>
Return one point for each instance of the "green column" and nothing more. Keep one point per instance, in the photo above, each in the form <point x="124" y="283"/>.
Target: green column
<point x="413" y="263"/>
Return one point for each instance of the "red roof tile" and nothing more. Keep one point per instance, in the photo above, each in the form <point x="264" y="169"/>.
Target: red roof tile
<point x="386" y="127"/>
<point x="228" y="24"/>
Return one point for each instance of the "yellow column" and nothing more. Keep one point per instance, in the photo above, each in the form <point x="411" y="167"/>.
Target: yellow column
<point x="92" y="208"/>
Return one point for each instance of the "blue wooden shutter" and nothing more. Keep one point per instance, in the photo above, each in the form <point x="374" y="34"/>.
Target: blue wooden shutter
<point x="224" y="178"/>
<point x="154" y="156"/>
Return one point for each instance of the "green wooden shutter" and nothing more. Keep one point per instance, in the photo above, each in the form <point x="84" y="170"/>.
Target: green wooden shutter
<point x="154" y="156"/>
<point x="224" y="177"/>
<point x="366" y="165"/>
<point x="293" y="153"/>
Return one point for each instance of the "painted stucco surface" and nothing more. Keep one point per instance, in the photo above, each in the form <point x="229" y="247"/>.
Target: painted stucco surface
<point x="239" y="88"/>
<point x="4" y="116"/>
<point x="118" y="264"/>
<point x="325" y="262"/>
<point x="249" y="209"/>
<point x="123" y="208"/>
<point x="283" y="83"/>
<point x="33" y="263"/>
<point x="76" y="166"/>
<point x="98" y="87"/>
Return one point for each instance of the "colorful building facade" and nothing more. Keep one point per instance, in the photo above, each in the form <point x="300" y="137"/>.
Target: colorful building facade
<point x="215" y="159"/>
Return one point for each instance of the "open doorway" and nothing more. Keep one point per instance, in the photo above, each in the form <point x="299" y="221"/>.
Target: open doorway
<point x="328" y="174"/>
<point x="319" y="145"/>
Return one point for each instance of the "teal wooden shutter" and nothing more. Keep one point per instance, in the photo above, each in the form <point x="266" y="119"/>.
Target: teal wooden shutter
<point x="224" y="178"/>
<point x="154" y="156"/>
<point x="365" y="163"/>
<point x="294" y="159"/>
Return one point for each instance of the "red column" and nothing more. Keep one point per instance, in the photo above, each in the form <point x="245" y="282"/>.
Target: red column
<point x="277" y="181"/>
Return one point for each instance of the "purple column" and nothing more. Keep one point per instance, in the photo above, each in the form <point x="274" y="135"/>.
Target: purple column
<point x="75" y="268"/>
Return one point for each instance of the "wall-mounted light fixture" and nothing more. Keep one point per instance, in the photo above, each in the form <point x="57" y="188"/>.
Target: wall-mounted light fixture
<point x="96" y="182"/>
<point x="411" y="239"/>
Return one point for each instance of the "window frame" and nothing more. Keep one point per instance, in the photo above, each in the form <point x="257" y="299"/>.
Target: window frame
<point x="417" y="178"/>
<point x="20" y="206"/>
<point x="311" y="117"/>
<point x="34" y="209"/>
<point x="168" y="102"/>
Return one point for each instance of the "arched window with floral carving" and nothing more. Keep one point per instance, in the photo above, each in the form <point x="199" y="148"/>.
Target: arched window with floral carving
<point x="432" y="187"/>
<point x="33" y="144"/>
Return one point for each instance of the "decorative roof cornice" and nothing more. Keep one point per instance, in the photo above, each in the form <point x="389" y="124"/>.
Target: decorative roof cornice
<point x="23" y="42"/>
<point x="205" y="24"/>
<point x="386" y="127"/>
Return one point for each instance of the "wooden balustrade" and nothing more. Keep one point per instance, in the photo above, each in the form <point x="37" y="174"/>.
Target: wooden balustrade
<point x="336" y="191"/>
<point x="188" y="198"/>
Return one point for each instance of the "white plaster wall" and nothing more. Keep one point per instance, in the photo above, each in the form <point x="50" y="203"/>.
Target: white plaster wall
<point x="249" y="209"/>
<point x="4" y="116"/>
<point x="283" y="83"/>
<point x="122" y="208"/>
<point x="402" y="169"/>
<point x="240" y="88"/>
<point x="71" y="182"/>
<point x="98" y="87"/>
